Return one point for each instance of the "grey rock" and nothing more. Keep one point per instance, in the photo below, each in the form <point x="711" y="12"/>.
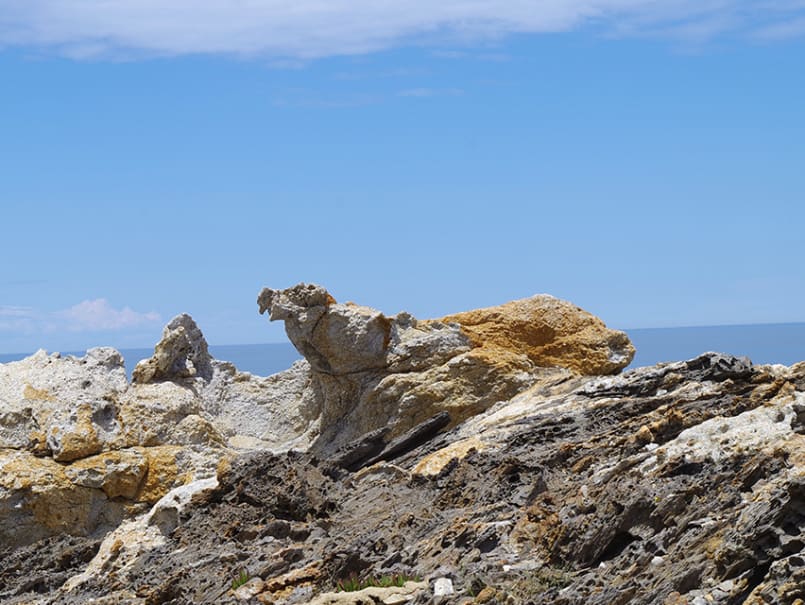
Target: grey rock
<point x="181" y="353"/>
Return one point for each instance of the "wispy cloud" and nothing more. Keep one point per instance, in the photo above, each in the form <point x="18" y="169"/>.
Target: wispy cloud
<point x="87" y="316"/>
<point x="305" y="29"/>
<point x="10" y="311"/>
<point x="98" y="314"/>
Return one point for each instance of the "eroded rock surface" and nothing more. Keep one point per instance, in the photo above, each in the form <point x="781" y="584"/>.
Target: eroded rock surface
<point x="492" y="468"/>
<point x="370" y="371"/>
<point x="182" y="353"/>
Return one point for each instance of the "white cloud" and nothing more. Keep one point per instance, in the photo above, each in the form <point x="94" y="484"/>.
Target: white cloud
<point x="15" y="312"/>
<point x="313" y="28"/>
<point x="87" y="316"/>
<point x="98" y="315"/>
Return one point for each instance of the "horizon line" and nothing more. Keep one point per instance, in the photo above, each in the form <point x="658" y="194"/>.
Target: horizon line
<point x="287" y="342"/>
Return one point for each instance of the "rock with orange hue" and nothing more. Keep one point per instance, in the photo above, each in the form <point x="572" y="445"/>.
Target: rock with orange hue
<point x="118" y="473"/>
<point x="369" y="371"/>
<point x="38" y="499"/>
<point x="63" y="406"/>
<point x="550" y="332"/>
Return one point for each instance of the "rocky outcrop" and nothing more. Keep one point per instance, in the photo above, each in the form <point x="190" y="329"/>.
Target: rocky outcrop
<point x="81" y="449"/>
<point x="182" y="353"/>
<point x="679" y="483"/>
<point x="473" y="459"/>
<point x="370" y="371"/>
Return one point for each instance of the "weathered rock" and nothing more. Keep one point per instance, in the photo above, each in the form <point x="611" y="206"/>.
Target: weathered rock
<point x="546" y="498"/>
<point x="39" y="499"/>
<point x="81" y="447"/>
<point x="550" y="332"/>
<point x="464" y="459"/>
<point x="369" y="371"/>
<point x="182" y="353"/>
<point x="118" y="474"/>
<point x="393" y="595"/>
<point x="62" y="406"/>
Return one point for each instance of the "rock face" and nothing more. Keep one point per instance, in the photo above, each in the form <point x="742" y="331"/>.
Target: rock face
<point x="550" y="332"/>
<point x="492" y="468"/>
<point x="370" y="371"/>
<point x="182" y="353"/>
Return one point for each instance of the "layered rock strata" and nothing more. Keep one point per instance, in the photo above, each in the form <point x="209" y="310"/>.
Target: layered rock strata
<point x="477" y="459"/>
<point x="369" y="371"/>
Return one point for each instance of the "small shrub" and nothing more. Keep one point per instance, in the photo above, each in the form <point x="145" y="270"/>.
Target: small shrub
<point x="241" y="579"/>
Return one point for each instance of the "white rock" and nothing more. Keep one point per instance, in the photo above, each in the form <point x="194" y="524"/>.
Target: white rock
<point x="442" y="587"/>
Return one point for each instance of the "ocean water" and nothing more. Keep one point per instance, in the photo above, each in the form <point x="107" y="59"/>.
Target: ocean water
<point x="261" y="359"/>
<point x="762" y="343"/>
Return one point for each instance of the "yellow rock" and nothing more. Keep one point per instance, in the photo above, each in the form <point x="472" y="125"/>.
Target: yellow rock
<point x="118" y="474"/>
<point x="433" y="464"/>
<point x="162" y="475"/>
<point x="77" y="439"/>
<point x="551" y="332"/>
<point x="47" y="501"/>
<point x="37" y="394"/>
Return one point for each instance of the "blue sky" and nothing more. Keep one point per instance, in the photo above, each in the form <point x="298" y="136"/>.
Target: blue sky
<point x="644" y="160"/>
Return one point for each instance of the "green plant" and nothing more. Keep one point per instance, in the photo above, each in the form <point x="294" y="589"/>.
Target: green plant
<point x="242" y="578"/>
<point x="350" y="584"/>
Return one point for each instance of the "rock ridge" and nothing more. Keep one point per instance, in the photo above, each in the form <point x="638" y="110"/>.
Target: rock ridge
<point x="491" y="456"/>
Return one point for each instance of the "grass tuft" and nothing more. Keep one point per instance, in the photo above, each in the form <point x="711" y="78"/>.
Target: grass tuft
<point x="241" y="579"/>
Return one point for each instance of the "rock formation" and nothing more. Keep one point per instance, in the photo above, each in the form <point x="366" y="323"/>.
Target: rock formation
<point x="369" y="371"/>
<point x="493" y="456"/>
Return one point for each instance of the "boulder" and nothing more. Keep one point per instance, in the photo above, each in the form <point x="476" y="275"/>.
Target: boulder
<point x="61" y="406"/>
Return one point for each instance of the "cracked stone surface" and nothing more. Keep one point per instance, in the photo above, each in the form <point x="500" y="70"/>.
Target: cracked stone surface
<point x="439" y="452"/>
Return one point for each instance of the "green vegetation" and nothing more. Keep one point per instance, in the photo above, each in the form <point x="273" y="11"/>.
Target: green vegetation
<point x="241" y="579"/>
<point x="354" y="583"/>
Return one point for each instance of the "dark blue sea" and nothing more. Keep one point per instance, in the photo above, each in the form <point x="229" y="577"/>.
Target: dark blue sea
<point x="762" y="343"/>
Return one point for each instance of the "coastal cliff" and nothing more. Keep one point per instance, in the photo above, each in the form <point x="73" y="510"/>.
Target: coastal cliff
<point x="493" y="456"/>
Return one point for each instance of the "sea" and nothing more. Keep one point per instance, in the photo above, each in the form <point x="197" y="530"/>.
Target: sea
<point x="762" y="343"/>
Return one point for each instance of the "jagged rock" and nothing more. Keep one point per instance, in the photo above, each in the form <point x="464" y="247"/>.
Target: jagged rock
<point x="60" y="406"/>
<point x="118" y="474"/>
<point x="546" y="498"/>
<point x="344" y="339"/>
<point x="38" y="499"/>
<point x="393" y="595"/>
<point x="368" y="371"/>
<point x="451" y="449"/>
<point x="181" y="353"/>
<point x="252" y="412"/>
<point x="78" y="444"/>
